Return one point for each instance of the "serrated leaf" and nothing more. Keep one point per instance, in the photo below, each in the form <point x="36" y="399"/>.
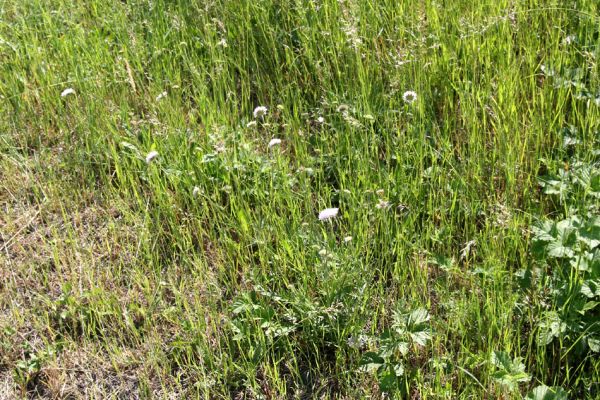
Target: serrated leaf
<point x="544" y="392"/>
<point x="418" y="317"/>
<point x="510" y="372"/>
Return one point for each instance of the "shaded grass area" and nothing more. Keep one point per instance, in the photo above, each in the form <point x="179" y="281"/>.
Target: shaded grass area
<point x="206" y="272"/>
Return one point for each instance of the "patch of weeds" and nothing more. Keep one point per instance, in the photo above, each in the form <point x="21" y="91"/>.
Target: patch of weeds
<point x="27" y="369"/>
<point x="567" y="248"/>
<point x="395" y="346"/>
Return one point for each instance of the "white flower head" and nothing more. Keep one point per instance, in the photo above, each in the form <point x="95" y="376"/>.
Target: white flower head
<point x="274" y="142"/>
<point x="67" y="92"/>
<point x="321" y="120"/>
<point x="161" y="96"/>
<point x="347" y="239"/>
<point x="196" y="191"/>
<point x="409" y="97"/>
<point x="260" y="111"/>
<point x="570" y="39"/>
<point x="328" y="213"/>
<point x="151" y="156"/>
<point x="251" y="124"/>
<point x="382" y="204"/>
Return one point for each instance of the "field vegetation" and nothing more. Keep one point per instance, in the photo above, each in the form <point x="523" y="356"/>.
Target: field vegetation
<point x="299" y="199"/>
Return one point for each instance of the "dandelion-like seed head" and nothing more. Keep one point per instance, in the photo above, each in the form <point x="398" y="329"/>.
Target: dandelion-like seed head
<point x="260" y="111"/>
<point x="67" y="92"/>
<point x="151" y="156"/>
<point x="328" y="213"/>
<point x="409" y="97"/>
<point x="274" y="142"/>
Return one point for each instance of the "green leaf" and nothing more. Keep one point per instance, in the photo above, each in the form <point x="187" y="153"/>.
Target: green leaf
<point x="544" y="392"/>
<point x="371" y="362"/>
<point x="594" y="344"/>
<point x="398" y="369"/>
<point x="414" y="324"/>
<point x="388" y="381"/>
<point x="550" y="327"/>
<point x="557" y="249"/>
<point x="543" y="231"/>
<point x="590" y="233"/>
<point x="443" y="262"/>
<point x="509" y="372"/>
<point x="591" y="288"/>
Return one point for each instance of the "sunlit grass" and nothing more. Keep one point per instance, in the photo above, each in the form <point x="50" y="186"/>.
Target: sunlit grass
<point x="235" y="199"/>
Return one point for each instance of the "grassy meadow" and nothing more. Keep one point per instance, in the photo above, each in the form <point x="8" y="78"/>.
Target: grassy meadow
<point x="164" y="166"/>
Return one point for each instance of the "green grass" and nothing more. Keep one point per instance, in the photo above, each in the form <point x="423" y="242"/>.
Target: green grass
<point x="206" y="273"/>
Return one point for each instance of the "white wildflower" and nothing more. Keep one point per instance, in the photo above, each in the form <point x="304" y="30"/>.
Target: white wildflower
<point x="260" y="111"/>
<point x="151" y="156"/>
<point x="274" y="142"/>
<point x="67" y="92"/>
<point x="347" y="239"/>
<point x="328" y="213"/>
<point x="380" y="192"/>
<point x="382" y="204"/>
<point x="570" y="39"/>
<point x="196" y="191"/>
<point x="251" y="124"/>
<point x="219" y="148"/>
<point x="409" y="97"/>
<point x="320" y="120"/>
<point x="161" y="96"/>
<point x="222" y="43"/>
